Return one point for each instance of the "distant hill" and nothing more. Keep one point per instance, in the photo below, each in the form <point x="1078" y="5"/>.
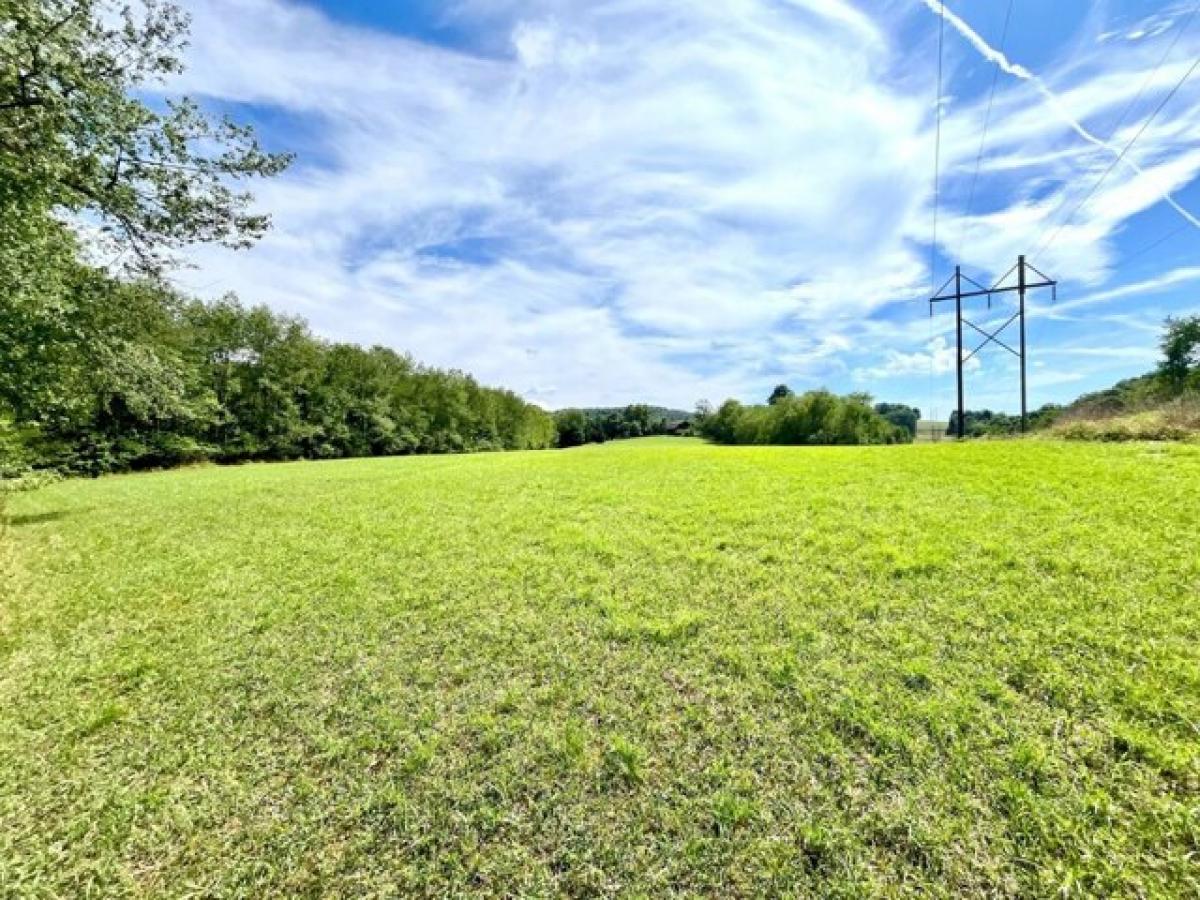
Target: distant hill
<point x="1125" y="396"/>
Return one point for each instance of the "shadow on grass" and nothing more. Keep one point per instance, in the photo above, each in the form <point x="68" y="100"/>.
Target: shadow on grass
<point x="37" y="518"/>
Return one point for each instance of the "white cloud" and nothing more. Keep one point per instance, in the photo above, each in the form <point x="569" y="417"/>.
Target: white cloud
<point x="936" y="359"/>
<point x="1144" y="288"/>
<point x="630" y="200"/>
<point x="1053" y="102"/>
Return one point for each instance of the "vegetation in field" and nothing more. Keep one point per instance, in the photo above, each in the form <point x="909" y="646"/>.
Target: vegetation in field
<point x="647" y="668"/>
<point x="900" y="415"/>
<point x="1160" y="405"/>
<point x="815" y="417"/>
<point x="1173" y="420"/>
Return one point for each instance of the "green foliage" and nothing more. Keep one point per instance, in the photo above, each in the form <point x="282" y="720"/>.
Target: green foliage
<point x="648" y="668"/>
<point x="97" y="374"/>
<point x="575" y="429"/>
<point x="1125" y="396"/>
<point x="1181" y="352"/>
<point x="986" y="423"/>
<point x="599" y="424"/>
<point x="816" y="417"/>
<point x="900" y="415"/>
<point x="130" y="375"/>
<point x="77" y="137"/>
<point x="780" y="392"/>
<point x="625" y="761"/>
<point x="1159" y="405"/>
<point x="1175" y="420"/>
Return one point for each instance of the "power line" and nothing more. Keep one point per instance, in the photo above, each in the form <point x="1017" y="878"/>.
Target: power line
<point x="987" y="120"/>
<point x="1179" y="33"/>
<point x="1129" y="107"/>
<point x="1157" y="242"/>
<point x="1146" y="124"/>
<point x="1056" y="103"/>
<point x="937" y="173"/>
<point x="1120" y="156"/>
<point x="937" y="146"/>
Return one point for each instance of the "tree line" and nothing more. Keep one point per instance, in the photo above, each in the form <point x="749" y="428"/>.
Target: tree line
<point x="988" y="423"/>
<point x="597" y="425"/>
<point x="136" y="376"/>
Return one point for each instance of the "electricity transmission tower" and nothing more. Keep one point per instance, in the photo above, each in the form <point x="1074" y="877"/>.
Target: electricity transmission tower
<point x="1022" y="285"/>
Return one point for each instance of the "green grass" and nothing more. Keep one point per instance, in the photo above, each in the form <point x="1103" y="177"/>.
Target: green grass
<point x="648" y="668"/>
<point x="931" y="431"/>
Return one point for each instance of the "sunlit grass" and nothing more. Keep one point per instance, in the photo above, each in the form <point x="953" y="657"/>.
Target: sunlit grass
<point x="644" y="668"/>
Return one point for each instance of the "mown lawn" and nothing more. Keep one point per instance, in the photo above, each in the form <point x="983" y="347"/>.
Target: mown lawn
<point x="648" y="668"/>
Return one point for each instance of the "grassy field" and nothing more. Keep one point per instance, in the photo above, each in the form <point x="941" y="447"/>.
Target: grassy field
<point x="648" y="668"/>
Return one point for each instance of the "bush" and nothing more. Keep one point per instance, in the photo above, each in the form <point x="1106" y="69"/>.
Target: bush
<point x="906" y="417"/>
<point x="816" y="417"/>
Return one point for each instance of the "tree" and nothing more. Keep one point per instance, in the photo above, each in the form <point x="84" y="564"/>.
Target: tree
<point x="572" y="428"/>
<point x="76" y="137"/>
<point x="86" y="161"/>
<point x="816" y="417"/>
<point x="898" y="414"/>
<point x="1181" y="349"/>
<point x="780" y="392"/>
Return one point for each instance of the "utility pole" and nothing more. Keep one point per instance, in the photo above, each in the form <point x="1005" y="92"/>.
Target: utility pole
<point x="1022" y="286"/>
<point x="959" y="347"/>
<point x="1021" y="295"/>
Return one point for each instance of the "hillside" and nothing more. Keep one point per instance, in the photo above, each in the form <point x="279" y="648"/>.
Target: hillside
<point x="1163" y="404"/>
<point x="1160" y="405"/>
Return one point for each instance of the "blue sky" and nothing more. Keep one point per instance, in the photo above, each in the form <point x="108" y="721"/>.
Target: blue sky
<point x="596" y="203"/>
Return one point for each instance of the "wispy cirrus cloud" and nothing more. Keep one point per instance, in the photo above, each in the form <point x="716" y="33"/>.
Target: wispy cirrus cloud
<point x="602" y="202"/>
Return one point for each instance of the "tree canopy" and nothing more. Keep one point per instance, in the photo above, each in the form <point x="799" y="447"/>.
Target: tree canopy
<point x="780" y="392"/>
<point x="899" y="414"/>
<point x="76" y="137"/>
<point x="595" y="426"/>
<point x="1181" y="350"/>
<point x="164" y="380"/>
<point x="816" y="417"/>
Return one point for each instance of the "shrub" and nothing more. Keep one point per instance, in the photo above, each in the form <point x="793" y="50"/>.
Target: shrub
<point x="816" y="417"/>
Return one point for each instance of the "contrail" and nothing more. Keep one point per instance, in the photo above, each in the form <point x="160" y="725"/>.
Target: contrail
<point x="1018" y="71"/>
